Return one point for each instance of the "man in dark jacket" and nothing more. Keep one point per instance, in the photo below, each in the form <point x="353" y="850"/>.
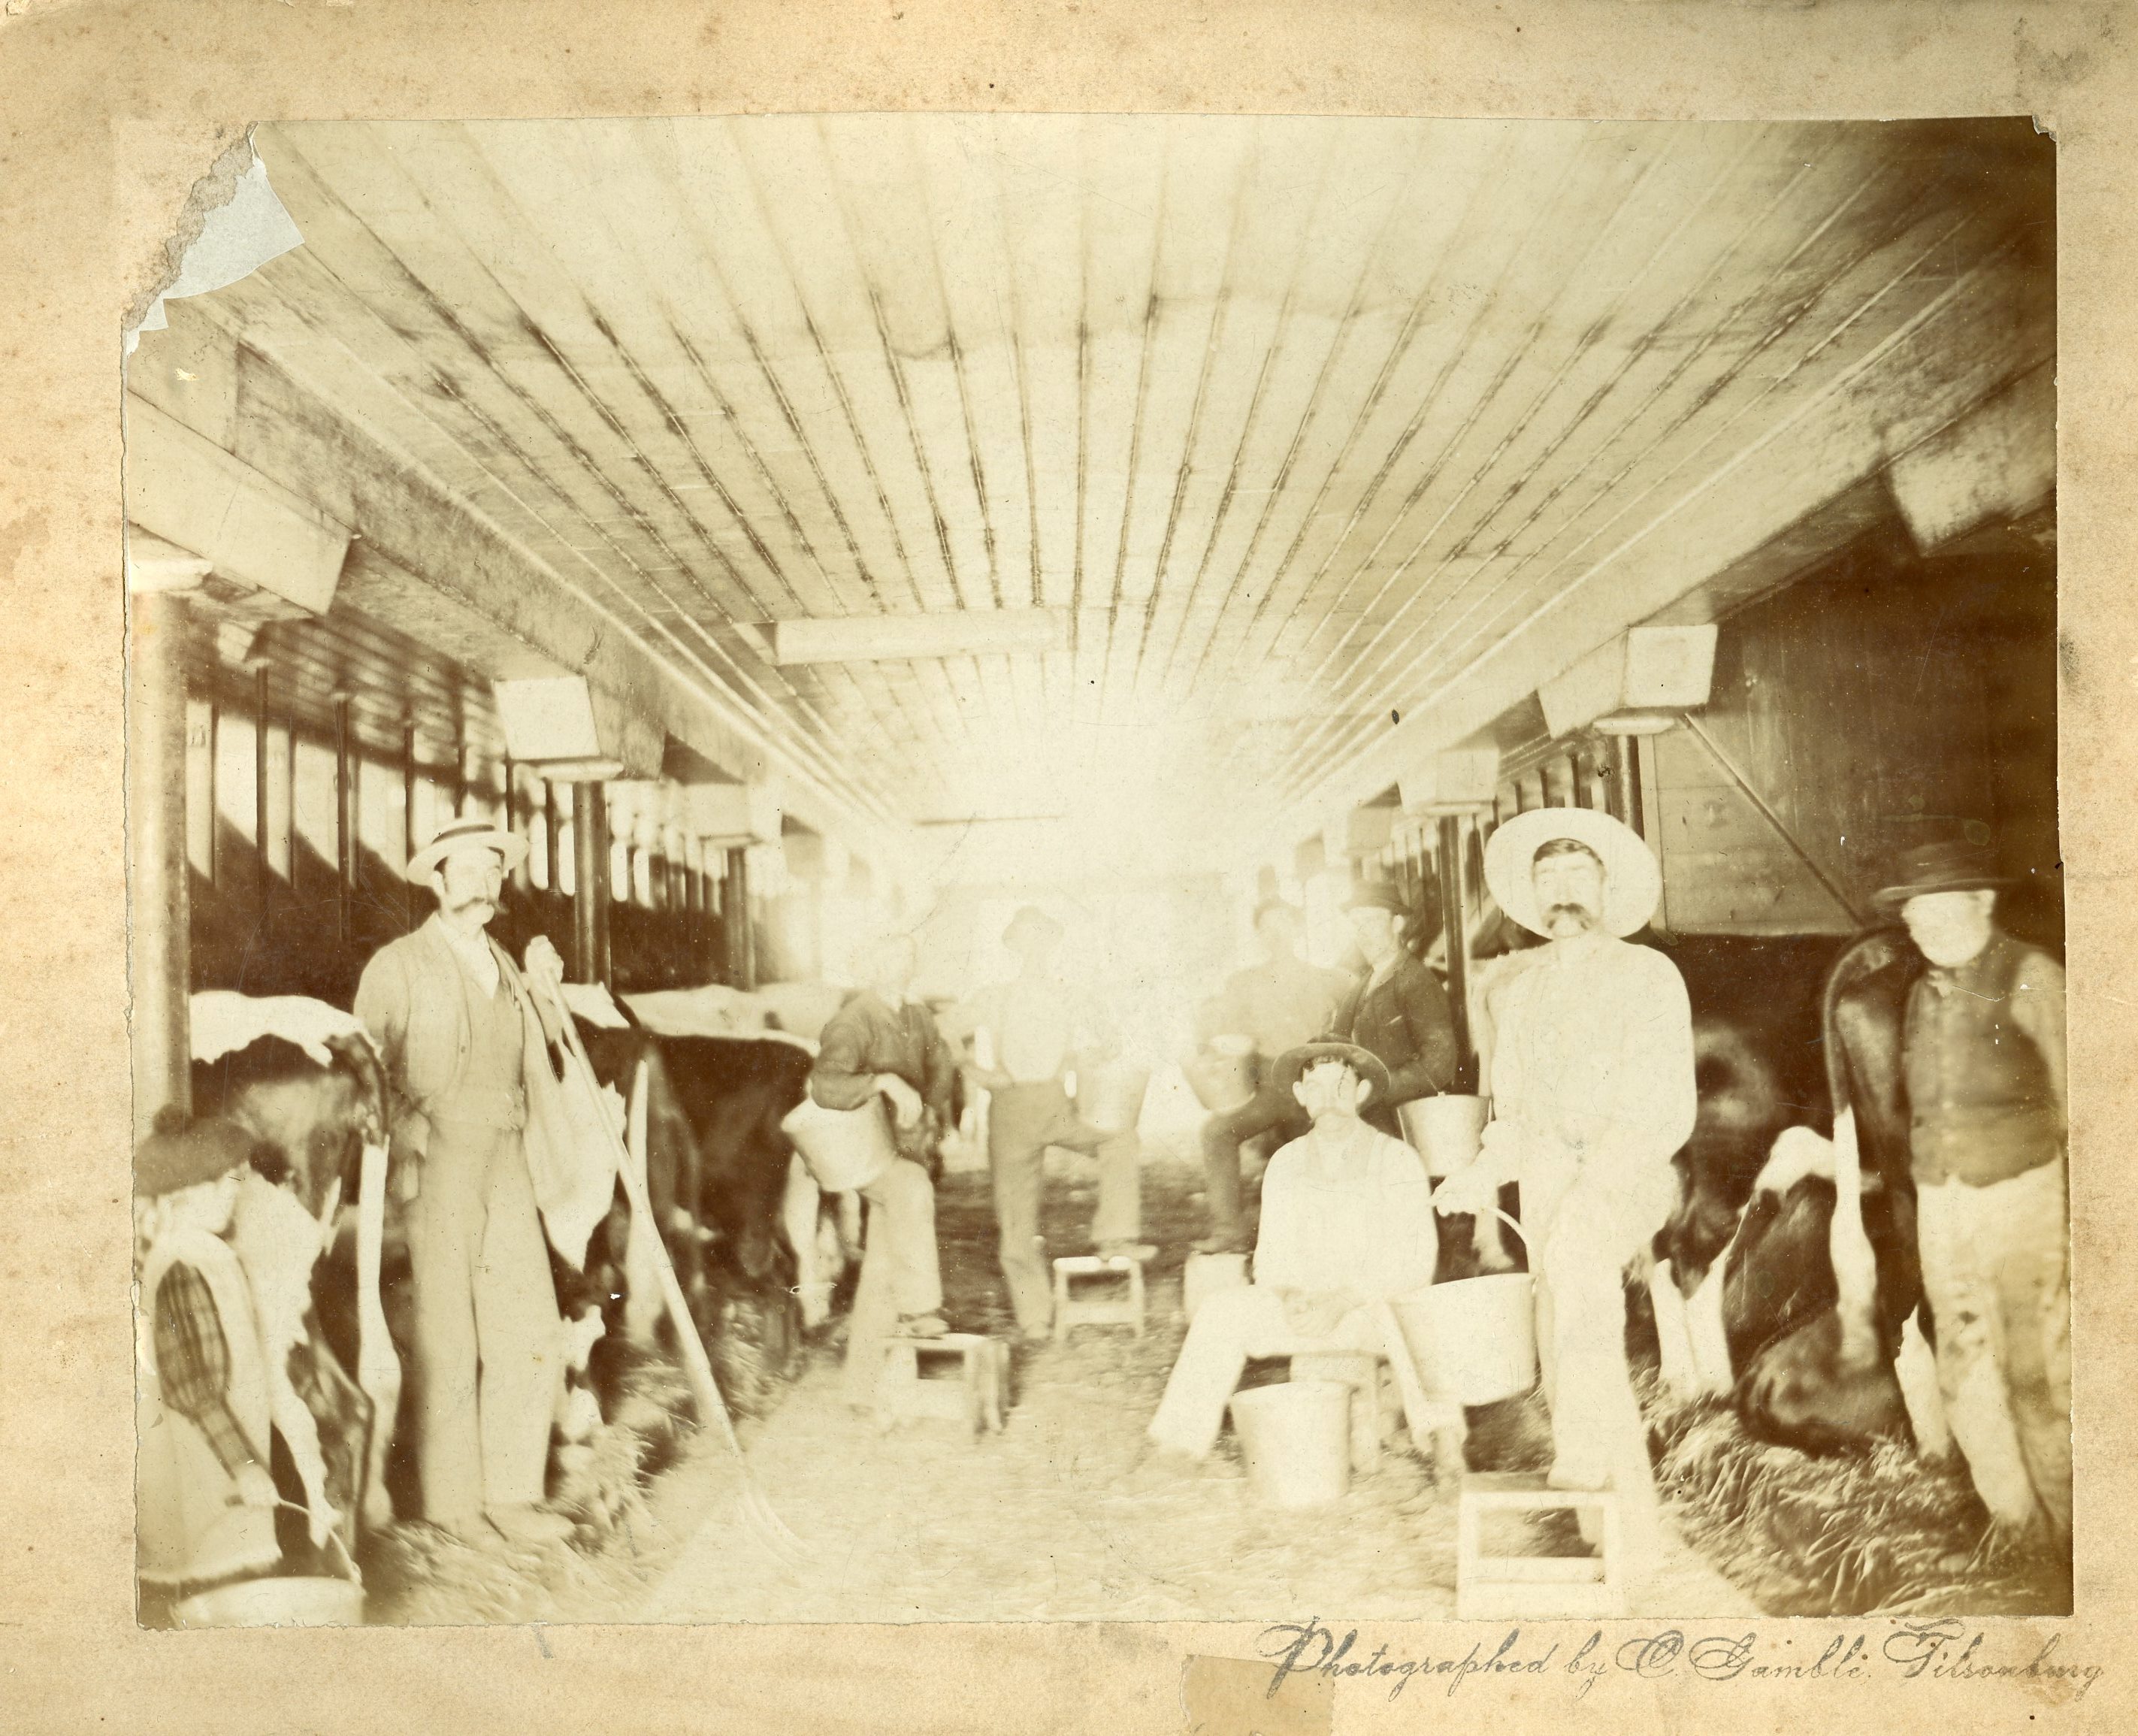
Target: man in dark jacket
<point x="1984" y="1055"/>
<point x="1399" y="1011"/>
<point x="884" y="1043"/>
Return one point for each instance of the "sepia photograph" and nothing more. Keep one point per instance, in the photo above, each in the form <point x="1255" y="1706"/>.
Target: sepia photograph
<point x="1045" y="867"/>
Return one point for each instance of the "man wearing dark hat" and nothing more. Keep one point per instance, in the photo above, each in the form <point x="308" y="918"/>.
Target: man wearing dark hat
<point x="1399" y="1010"/>
<point x="1346" y="1222"/>
<point x="1983" y="1057"/>
<point x="1592" y="1090"/>
<point x="1020" y="1038"/>
<point x="466" y="1061"/>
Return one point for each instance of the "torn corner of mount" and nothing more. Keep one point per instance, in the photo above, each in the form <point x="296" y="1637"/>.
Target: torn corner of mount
<point x="238" y="238"/>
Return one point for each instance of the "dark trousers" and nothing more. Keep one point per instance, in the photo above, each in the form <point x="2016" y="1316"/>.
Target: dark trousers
<point x="1268" y="1110"/>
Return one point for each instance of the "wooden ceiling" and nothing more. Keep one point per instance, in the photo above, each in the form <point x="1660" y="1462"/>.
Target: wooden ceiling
<point x="1297" y="420"/>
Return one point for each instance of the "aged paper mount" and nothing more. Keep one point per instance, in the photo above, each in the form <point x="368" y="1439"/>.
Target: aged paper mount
<point x="112" y="114"/>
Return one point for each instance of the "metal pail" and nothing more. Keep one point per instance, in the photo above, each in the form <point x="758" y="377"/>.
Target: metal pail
<point x="1110" y="1096"/>
<point x="845" y="1149"/>
<point x="1476" y="1335"/>
<point x="1445" y="1131"/>
<point x="1296" y="1440"/>
<point x="1223" y="1076"/>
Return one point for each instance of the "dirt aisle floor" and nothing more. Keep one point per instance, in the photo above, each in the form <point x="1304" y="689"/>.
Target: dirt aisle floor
<point x="926" y="1524"/>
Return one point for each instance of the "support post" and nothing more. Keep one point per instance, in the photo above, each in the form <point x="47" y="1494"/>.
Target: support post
<point x="264" y="885"/>
<point x="1455" y="926"/>
<point x="345" y="823"/>
<point x="1625" y="799"/>
<point x="157" y="952"/>
<point x="408" y="837"/>
<point x="553" y="848"/>
<point x="735" y="920"/>
<point x="589" y="882"/>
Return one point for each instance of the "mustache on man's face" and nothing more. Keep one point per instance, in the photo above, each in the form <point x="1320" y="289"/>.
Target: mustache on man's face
<point x="1570" y="908"/>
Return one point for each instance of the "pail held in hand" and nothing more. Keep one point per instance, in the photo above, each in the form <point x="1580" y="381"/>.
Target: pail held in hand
<point x="1296" y="1440"/>
<point x="1476" y="1335"/>
<point x="845" y="1149"/>
<point x="1222" y="1076"/>
<point x="1445" y="1131"/>
<point x="1110" y="1096"/>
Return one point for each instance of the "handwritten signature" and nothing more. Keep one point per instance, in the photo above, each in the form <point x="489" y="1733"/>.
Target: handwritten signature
<point x="1946" y="1649"/>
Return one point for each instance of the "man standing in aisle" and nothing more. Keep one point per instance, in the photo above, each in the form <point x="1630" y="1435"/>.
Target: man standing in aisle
<point x="883" y="1043"/>
<point x="1037" y="1028"/>
<point x="1592" y="1091"/>
<point x="1983" y="1057"/>
<point x="468" y="1070"/>
<point x="1281" y="1003"/>
<point x="1398" y="1012"/>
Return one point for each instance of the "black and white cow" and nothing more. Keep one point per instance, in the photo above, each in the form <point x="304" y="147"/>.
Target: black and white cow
<point x="1787" y="1280"/>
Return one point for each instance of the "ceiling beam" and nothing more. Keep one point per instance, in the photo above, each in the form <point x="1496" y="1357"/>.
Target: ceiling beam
<point x="888" y="638"/>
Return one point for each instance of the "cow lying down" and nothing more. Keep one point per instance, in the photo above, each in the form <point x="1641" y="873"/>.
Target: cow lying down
<point x="1791" y="1320"/>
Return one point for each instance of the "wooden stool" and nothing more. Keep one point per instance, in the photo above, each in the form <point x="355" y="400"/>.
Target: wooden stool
<point x="1538" y="1588"/>
<point x="1112" y="1310"/>
<point x="1361" y="1370"/>
<point x="977" y="1397"/>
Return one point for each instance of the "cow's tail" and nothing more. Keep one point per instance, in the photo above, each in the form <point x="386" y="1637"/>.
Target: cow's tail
<point x="1855" y="1263"/>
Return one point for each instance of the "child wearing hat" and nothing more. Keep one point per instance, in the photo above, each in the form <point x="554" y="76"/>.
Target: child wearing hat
<point x="207" y="1499"/>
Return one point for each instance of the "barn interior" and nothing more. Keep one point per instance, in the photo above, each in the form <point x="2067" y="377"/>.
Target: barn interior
<point x="798" y="525"/>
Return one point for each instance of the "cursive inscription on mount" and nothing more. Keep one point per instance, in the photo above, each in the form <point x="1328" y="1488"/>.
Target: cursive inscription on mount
<point x="1948" y="1649"/>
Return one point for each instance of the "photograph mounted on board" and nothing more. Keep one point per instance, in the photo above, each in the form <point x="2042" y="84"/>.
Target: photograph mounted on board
<point x="934" y="867"/>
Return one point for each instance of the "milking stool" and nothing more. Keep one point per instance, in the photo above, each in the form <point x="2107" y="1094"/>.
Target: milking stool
<point x="977" y="1397"/>
<point x="1539" y="1588"/>
<point x="1122" y="1309"/>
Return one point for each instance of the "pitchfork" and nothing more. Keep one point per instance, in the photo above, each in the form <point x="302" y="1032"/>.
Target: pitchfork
<point x="757" y="1512"/>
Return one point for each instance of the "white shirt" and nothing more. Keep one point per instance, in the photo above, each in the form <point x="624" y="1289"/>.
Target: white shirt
<point x="1038" y="1028"/>
<point x="1593" y="1064"/>
<point x="1363" y="1225"/>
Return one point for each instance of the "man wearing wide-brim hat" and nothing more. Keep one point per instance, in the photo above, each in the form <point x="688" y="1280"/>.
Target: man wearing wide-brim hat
<point x="1592" y="1090"/>
<point x="1983" y="1057"/>
<point x="1346" y="1224"/>
<point x="473" y="1100"/>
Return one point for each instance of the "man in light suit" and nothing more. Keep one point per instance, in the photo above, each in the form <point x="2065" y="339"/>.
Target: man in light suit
<point x="465" y="1045"/>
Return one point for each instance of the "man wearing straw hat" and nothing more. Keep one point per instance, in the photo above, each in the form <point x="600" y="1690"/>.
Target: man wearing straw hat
<point x="467" y="1066"/>
<point x="1346" y="1223"/>
<point x="1593" y="1094"/>
<point x="1983" y="1057"/>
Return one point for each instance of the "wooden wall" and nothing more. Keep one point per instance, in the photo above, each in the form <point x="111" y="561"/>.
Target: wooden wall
<point x="1884" y="701"/>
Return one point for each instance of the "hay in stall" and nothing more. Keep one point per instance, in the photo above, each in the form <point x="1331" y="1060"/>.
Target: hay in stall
<point x="629" y="1529"/>
<point x="1877" y="1533"/>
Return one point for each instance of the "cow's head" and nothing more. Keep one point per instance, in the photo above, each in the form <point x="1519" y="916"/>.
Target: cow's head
<point x="311" y="1121"/>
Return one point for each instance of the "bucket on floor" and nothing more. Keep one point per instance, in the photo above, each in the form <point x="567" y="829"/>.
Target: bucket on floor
<point x="1296" y="1440"/>
<point x="307" y="1601"/>
<point x="1110" y="1096"/>
<point x="845" y="1149"/>
<point x="1222" y="1076"/>
<point x="1477" y="1336"/>
<point x="1445" y="1131"/>
<point x="1206" y="1273"/>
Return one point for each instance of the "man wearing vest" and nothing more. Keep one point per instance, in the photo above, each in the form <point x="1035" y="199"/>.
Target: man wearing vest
<point x="467" y="1065"/>
<point x="1983" y="1055"/>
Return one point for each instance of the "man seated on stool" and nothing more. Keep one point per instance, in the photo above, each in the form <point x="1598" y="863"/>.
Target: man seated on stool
<point x="1346" y="1222"/>
<point x="884" y="1043"/>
